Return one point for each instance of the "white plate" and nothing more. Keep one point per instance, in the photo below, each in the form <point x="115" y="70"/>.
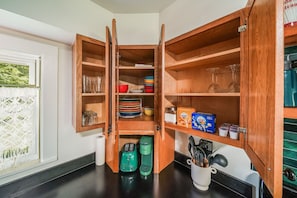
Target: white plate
<point x="136" y="91"/>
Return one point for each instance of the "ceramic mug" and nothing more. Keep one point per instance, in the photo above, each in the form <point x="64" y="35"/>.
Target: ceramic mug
<point x="201" y="176"/>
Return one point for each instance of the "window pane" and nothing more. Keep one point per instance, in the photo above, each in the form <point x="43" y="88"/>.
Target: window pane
<point x="18" y="126"/>
<point x="13" y="74"/>
<point x="19" y="110"/>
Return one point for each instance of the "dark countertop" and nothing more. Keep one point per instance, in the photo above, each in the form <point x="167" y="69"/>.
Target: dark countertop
<point x="100" y="181"/>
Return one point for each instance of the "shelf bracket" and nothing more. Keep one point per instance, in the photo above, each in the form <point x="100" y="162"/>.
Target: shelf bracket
<point x="242" y="28"/>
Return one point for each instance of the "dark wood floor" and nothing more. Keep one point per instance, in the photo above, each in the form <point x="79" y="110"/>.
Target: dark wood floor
<point x="99" y="181"/>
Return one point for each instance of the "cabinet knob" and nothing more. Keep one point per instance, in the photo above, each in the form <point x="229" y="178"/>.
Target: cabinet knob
<point x="289" y="173"/>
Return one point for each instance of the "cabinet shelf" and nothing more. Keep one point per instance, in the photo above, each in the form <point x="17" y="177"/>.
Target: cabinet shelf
<point x="136" y="94"/>
<point x="204" y="94"/>
<point x="132" y="67"/>
<point x="223" y="30"/>
<point x="91" y="64"/>
<point x="94" y="126"/>
<point x="136" y="132"/>
<point x="136" y="125"/>
<point x="93" y="94"/>
<point x="136" y="72"/>
<point x="290" y="113"/>
<point x="290" y="34"/>
<point x="217" y="59"/>
<point x="213" y="137"/>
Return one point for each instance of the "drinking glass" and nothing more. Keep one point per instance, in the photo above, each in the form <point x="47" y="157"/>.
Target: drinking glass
<point x="234" y="85"/>
<point x="214" y="86"/>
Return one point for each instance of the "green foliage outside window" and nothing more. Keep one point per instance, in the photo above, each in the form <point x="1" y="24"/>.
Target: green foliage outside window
<point x="13" y="74"/>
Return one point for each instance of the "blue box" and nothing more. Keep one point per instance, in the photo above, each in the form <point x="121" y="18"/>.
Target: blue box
<point x="204" y="122"/>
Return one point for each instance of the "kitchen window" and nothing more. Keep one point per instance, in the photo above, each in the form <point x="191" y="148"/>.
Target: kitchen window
<point x="31" y="104"/>
<point x="19" y="110"/>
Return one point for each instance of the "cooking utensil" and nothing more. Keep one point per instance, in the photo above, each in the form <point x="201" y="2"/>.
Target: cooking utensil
<point x="190" y="150"/>
<point x="218" y="159"/>
<point x="191" y="146"/>
<point x="203" y="161"/>
<point x="197" y="153"/>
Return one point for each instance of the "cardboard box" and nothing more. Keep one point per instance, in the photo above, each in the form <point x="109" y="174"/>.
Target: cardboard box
<point x="184" y="116"/>
<point x="204" y="122"/>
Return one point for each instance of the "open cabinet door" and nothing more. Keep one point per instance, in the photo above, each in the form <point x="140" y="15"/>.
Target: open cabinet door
<point x="165" y="139"/>
<point x="112" y="156"/>
<point x="264" y="62"/>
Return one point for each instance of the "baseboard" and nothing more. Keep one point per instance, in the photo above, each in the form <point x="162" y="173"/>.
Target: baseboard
<point x="22" y="185"/>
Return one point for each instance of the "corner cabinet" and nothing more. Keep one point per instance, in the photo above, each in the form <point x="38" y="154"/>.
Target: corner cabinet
<point x="253" y="40"/>
<point x="183" y="69"/>
<point x="90" y="83"/>
<point x="138" y="67"/>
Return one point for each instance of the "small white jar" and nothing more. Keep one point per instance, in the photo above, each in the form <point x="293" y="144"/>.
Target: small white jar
<point x="233" y="134"/>
<point x="223" y="131"/>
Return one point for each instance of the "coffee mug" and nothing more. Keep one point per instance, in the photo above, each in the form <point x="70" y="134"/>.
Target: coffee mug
<point x="201" y="176"/>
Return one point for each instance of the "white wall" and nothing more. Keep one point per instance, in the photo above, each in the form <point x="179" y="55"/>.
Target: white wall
<point x="70" y="145"/>
<point x="185" y="15"/>
<point x="77" y="16"/>
<point x="87" y="18"/>
<point x="138" y="28"/>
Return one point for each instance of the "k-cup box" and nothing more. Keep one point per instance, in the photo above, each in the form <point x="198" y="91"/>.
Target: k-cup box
<point x="204" y="122"/>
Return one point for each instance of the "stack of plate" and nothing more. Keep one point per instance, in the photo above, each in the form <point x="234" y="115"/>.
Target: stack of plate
<point x="149" y="84"/>
<point x="130" y="107"/>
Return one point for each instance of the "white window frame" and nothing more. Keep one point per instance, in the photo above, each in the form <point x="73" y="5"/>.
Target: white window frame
<point x="33" y="62"/>
<point x="48" y="99"/>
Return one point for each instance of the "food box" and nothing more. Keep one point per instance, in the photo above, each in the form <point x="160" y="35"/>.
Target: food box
<point x="184" y="116"/>
<point x="204" y="122"/>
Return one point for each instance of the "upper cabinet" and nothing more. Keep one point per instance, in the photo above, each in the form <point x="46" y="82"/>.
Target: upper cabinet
<point x="203" y="70"/>
<point x="233" y="68"/>
<point x="136" y="70"/>
<point x="90" y="83"/>
<point x="134" y="98"/>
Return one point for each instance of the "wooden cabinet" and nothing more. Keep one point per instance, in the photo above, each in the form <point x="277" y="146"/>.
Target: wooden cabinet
<point x="190" y="61"/>
<point x="290" y="34"/>
<point x="134" y="64"/>
<point x="131" y="64"/>
<point x="257" y="107"/>
<point x="90" y="83"/>
<point x="181" y="70"/>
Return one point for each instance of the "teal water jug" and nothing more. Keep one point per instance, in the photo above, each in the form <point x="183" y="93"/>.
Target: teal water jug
<point x="290" y="88"/>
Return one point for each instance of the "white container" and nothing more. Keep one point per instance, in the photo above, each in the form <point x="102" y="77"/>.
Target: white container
<point x="233" y="134"/>
<point x="201" y="176"/>
<point x="223" y="131"/>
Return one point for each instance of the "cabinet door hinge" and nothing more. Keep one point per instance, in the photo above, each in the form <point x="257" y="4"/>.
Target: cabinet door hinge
<point x="242" y="28"/>
<point x="242" y="130"/>
<point x="118" y="55"/>
<point x="158" y="127"/>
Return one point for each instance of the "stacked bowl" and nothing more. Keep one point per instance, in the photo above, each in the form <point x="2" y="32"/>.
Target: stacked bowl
<point x="149" y="84"/>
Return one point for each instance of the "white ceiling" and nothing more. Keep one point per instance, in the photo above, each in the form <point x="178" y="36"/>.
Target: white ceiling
<point x="134" y="6"/>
